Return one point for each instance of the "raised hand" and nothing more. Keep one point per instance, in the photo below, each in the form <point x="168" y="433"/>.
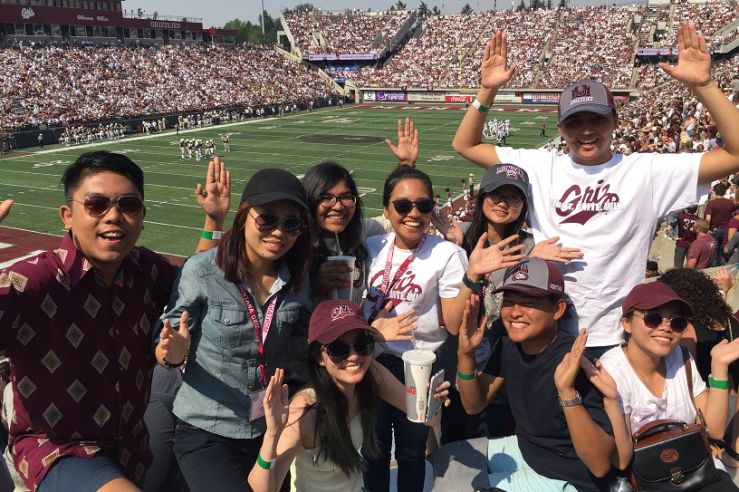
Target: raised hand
<point x="724" y="353"/>
<point x="175" y="344"/>
<point x="723" y="279"/>
<point x="566" y="372"/>
<point x="215" y="197"/>
<point x="548" y="250"/>
<point x="396" y="328"/>
<point x="485" y="260"/>
<point x="454" y="233"/>
<point x="407" y="148"/>
<point x="471" y="333"/>
<point x="600" y="378"/>
<point x="693" y="61"/>
<point x="493" y="71"/>
<point x="5" y="208"/>
<point x="276" y="403"/>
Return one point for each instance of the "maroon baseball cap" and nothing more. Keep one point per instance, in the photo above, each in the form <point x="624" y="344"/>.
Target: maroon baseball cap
<point x="650" y="295"/>
<point x="333" y="318"/>
<point x="534" y="277"/>
<point x="585" y="95"/>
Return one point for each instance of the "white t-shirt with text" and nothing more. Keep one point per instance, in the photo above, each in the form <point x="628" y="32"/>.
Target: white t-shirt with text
<point x="609" y="211"/>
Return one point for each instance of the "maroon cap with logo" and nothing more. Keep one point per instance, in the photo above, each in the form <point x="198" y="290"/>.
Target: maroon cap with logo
<point x="534" y="277"/>
<point x="585" y="95"/>
<point x="331" y="319"/>
<point x="651" y="295"/>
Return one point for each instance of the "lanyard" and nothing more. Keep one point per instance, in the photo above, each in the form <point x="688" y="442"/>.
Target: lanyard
<point x="261" y="330"/>
<point x="386" y="282"/>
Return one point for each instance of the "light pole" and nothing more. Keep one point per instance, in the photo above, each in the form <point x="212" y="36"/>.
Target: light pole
<point x="261" y="16"/>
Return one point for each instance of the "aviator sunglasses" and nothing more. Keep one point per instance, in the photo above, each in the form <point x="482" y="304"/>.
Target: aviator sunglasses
<point x="404" y="206"/>
<point x="267" y="222"/>
<point x="98" y="205"/>
<point x="339" y="350"/>
<point x="654" y="318"/>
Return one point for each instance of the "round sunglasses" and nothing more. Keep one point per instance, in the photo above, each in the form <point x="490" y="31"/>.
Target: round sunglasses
<point x="339" y="350"/>
<point x="267" y="222"/>
<point x="654" y="319"/>
<point x="404" y="206"/>
<point x="98" y="205"/>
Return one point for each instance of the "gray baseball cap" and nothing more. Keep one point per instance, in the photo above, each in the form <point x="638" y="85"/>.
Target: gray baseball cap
<point x="505" y="174"/>
<point x="534" y="277"/>
<point x="585" y="95"/>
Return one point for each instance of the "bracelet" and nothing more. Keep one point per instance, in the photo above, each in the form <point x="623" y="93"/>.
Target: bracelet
<point x="475" y="287"/>
<point x="170" y="365"/>
<point x="211" y="235"/>
<point x="263" y="464"/>
<point x="572" y="402"/>
<point x="466" y="377"/>
<point x="722" y="384"/>
<point x="480" y="106"/>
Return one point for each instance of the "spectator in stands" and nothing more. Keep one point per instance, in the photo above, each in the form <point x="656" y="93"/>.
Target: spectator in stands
<point x="704" y="249"/>
<point x="719" y="211"/>
<point x="652" y="269"/>
<point x="685" y="234"/>
<point x="652" y="374"/>
<point x="253" y="285"/>
<point x="88" y="310"/>
<point x="563" y="433"/>
<point x="583" y="197"/>
<point x="317" y="437"/>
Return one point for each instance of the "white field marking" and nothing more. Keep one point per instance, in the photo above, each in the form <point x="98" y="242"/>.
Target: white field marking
<point x="365" y="191"/>
<point x="5" y="245"/>
<point x="526" y="123"/>
<point x="8" y="263"/>
<point x="52" y="163"/>
<point x="170" y="133"/>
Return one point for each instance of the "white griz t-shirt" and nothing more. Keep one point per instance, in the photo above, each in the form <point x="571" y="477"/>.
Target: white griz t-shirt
<point x="609" y="211"/>
<point x="434" y="274"/>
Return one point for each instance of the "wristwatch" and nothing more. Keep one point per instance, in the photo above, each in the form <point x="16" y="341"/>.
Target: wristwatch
<point x="571" y="402"/>
<point x="475" y="287"/>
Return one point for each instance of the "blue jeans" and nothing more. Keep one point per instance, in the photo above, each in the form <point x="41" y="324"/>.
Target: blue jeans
<point x="410" y="443"/>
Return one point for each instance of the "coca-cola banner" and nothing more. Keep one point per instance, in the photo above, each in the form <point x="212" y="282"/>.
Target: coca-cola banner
<point x="459" y="98"/>
<point x="390" y="96"/>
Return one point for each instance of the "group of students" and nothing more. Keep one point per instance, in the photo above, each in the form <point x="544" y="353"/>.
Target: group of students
<point x="280" y="384"/>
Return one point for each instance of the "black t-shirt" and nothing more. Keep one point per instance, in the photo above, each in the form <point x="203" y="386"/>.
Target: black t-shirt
<point x="706" y="339"/>
<point x="541" y="428"/>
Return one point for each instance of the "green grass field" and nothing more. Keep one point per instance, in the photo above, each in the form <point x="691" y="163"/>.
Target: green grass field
<point x="174" y="219"/>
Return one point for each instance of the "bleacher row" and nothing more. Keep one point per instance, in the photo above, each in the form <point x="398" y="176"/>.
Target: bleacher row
<point x="546" y="44"/>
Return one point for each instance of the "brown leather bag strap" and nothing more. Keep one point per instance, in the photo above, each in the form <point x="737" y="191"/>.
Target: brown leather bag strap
<point x="647" y="428"/>
<point x="688" y="372"/>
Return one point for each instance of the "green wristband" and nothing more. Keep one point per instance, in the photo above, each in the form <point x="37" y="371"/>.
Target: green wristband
<point x="466" y="377"/>
<point x="480" y="106"/>
<point x="266" y="465"/>
<point x="211" y="235"/>
<point x="718" y="383"/>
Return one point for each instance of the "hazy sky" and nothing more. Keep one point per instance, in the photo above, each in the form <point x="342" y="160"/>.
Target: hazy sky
<point x="218" y="12"/>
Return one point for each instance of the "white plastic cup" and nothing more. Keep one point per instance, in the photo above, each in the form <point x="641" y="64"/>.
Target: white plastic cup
<point x="344" y="293"/>
<point x="417" y="364"/>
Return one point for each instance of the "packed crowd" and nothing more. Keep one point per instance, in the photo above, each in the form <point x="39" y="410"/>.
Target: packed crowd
<point x="308" y="334"/>
<point x="56" y="85"/>
<point x="351" y="31"/>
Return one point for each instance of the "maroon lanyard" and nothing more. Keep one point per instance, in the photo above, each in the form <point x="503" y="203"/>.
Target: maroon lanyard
<point x="261" y="330"/>
<point x="386" y="282"/>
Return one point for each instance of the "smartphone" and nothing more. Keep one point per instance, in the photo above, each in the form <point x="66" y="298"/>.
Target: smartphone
<point x="434" y="405"/>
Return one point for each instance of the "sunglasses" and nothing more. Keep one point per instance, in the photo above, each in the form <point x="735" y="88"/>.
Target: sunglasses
<point x="511" y="199"/>
<point x="404" y="206"/>
<point x="654" y="319"/>
<point x="267" y="222"/>
<point x="339" y="350"/>
<point x="328" y="200"/>
<point x="98" y="205"/>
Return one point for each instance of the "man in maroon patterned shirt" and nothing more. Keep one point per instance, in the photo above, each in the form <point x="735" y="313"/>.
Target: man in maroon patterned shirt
<point x="78" y="326"/>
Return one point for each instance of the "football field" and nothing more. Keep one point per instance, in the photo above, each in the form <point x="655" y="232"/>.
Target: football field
<point x="352" y="136"/>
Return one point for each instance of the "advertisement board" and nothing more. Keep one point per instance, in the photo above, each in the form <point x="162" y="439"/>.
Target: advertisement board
<point x="507" y="97"/>
<point x="369" y="96"/>
<point x="459" y="98"/>
<point x="390" y="96"/>
<point x="541" y="98"/>
<point x="425" y="97"/>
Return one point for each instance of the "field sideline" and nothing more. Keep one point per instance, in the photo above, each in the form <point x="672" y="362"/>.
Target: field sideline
<point x="294" y="142"/>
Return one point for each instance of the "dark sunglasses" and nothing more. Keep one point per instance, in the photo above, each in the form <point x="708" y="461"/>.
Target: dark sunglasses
<point x="98" y="205"/>
<point x="511" y="199"/>
<point x="267" y="222"/>
<point x="339" y="350"/>
<point x="404" y="206"/>
<point x="654" y="318"/>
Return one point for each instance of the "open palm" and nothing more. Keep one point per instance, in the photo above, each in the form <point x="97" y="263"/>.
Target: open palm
<point x="493" y="71"/>
<point x="693" y="61"/>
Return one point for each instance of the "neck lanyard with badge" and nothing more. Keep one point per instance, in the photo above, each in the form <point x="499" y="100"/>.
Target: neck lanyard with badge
<point x="256" y="409"/>
<point x="386" y="282"/>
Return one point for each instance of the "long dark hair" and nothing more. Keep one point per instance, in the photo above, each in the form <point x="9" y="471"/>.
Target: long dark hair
<point x="700" y="292"/>
<point x="332" y="407"/>
<point x="231" y="255"/>
<point x="479" y="223"/>
<point x="317" y="181"/>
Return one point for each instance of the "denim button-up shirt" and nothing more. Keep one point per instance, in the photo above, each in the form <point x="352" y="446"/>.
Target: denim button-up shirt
<point x="222" y="372"/>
